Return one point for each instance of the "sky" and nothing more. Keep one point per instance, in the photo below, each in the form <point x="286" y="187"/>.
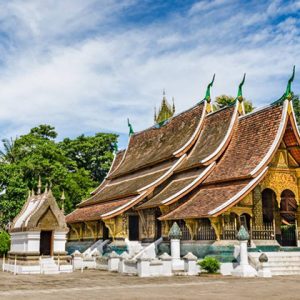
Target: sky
<point x="87" y="66"/>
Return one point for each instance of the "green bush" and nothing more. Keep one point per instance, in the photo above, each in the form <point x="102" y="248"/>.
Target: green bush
<point x="210" y="265"/>
<point x="4" y="242"/>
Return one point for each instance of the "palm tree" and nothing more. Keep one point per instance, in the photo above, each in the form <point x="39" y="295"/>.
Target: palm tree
<point x="8" y="154"/>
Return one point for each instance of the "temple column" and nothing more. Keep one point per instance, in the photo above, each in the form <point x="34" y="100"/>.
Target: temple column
<point x="298" y="225"/>
<point x="257" y="207"/>
<point x="192" y="225"/>
<point x="216" y="223"/>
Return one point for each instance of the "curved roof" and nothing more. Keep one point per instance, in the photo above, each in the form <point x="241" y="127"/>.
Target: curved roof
<point x="254" y="140"/>
<point x="116" y="162"/>
<point x="157" y="144"/>
<point x="35" y="209"/>
<point x="94" y="212"/>
<point x="214" y="136"/>
<point x="212" y="200"/>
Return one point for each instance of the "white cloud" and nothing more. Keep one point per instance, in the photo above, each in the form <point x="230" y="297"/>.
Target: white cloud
<point x="77" y="66"/>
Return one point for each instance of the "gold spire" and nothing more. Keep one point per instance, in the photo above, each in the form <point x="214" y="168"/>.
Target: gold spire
<point x="46" y="188"/>
<point x="63" y="198"/>
<point x="165" y="111"/>
<point x="39" y="185"/>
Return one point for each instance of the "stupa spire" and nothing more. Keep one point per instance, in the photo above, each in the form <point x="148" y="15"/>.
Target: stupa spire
<point x="165" y="111"/>
<point x="39" y="185"/>
<point x="63" y="198"/>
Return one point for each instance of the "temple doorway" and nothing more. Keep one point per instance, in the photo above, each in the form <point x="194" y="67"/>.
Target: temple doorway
<point x="133" y="225"/>
<point x="268" y="205"/>
<point x="105" y="233"/>
<point x="288" y="209"/>
<point x="46" y="243"/>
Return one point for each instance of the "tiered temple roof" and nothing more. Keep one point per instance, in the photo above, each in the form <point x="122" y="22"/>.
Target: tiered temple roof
<point x="205" y="161"/>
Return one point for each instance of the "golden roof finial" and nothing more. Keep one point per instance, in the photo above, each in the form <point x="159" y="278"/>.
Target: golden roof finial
<point x="39" y="185"/>
<point x="173" y="107"/>
<point x="63" y="198"/>
<point x="165" y="111"/>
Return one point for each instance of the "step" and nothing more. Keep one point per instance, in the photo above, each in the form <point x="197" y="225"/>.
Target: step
<point x="277" y="269"/>
<point x="285" y="273"/>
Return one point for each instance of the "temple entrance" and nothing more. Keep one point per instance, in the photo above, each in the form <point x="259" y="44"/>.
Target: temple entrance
<point x="288" y="208"/>
<point x="46" y="243"/>
<point x="105" y="233"/>
<point x="133" y="225"/>
<point x="158" y="226"/>
<point x="268" y="205"/>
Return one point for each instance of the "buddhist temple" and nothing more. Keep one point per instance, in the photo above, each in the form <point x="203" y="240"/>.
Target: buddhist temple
<point x="38" y="237"/>
<point x="210" y="171"/>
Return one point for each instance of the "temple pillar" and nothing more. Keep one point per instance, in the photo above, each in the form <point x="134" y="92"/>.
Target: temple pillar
<point x="117" y="227"/>
<point x="216" y="223"/>
<point x="298" y="225"/>
<point x="257" y="207"/>
<point x="192" y="225"/>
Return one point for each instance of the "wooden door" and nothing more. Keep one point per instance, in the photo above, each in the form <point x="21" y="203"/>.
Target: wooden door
<point x="46" y="243"/>
<point x="133" y="228"/>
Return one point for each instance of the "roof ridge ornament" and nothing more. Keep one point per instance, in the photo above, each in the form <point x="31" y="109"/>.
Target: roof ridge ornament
<point x="207" y="93"/>
<point x="239" y="97"/>
<point x="288" y="91"/>
<point x="63" y="198"/>
<point x="39" y="185"/>
<point x="131" y="132"/>
<point x="240" y="90"/>
<point x="207" y="98"/>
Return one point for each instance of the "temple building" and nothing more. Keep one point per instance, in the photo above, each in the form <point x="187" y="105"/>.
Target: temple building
<point x="211" y="171"/>
<point x="38" y="237"/>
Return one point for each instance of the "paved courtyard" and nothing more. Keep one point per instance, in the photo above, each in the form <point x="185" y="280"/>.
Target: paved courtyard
<point x="93" y="284"/>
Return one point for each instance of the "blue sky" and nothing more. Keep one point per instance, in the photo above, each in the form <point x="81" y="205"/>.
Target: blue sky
<point x="85" y="66"/>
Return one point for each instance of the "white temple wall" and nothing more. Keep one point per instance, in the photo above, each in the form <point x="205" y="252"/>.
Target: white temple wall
<point x="59" y="241"/>
<point x="25" y="242"/>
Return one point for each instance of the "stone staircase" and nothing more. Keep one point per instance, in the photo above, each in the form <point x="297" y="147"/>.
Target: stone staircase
<point x="282" y="263"/>
<point x="48" y="266"/>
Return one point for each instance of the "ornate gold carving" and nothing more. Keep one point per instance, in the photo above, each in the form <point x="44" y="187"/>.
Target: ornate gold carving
<point x="216" y="223"/>
<point x="117" y="226"/>
<point x="92" y="227"/>
<point x="165" y="228"/>
<point x="192" y="226"/>
<point x="76" y="230"/>
<point x="48" y="220"/>
<point x="239" y="210"/>
<point x="248" y="200"/>
<point x="279" y="181"/>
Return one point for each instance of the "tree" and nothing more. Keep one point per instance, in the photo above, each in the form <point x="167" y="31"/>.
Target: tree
<point x="92" y="153"/>
<point x="8" y="154"/>
<point x="224" y="100"/>
<point x="44" y="131"/>
<point x="296" y="106"/>
<point x="74" y="166"/>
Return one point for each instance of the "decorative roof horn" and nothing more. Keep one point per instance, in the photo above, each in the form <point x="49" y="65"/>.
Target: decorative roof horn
<point x="131" y="132"/>
<point x="288" y="91"/>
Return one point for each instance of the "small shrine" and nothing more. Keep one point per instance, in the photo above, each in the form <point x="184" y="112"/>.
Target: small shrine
<point x="38" y="237"/>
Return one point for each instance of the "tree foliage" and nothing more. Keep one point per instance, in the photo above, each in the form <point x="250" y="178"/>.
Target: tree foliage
<point x="296" y="106"/>
<point x="91" y="153"/>
<point x="75" y="166"/>
<point x="224" y="100"/>
<point x="4" y="242"/>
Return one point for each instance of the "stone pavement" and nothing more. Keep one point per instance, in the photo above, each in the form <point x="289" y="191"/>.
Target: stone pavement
<point x="94" y="284"/>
